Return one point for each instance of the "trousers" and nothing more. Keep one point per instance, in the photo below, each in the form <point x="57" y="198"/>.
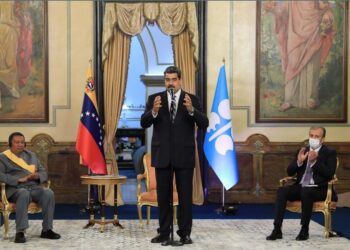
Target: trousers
<point x="43" y="196"/>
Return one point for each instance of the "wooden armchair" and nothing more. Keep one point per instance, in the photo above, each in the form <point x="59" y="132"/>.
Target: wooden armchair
<point x="6" y="207"/>
<point x="326" y="207"/>
<point x="149" y="197"/>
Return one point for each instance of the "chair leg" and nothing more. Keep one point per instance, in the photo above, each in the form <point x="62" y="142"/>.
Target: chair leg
<point x="139" y="211"/>
<point x="327" y="223"/>
<point x="148" y="214"/>
<point x="330" y="222"/>
<point x="6" y="224"/>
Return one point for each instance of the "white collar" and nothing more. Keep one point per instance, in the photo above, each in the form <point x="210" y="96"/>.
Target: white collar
<point x="177" y="95"/>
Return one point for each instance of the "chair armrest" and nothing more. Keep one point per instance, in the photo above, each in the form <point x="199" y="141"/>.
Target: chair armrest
<point x="139" y="178"/>
<point x="4" y="199"/>
<point x="46" y="184"/>
<point x="3" y="194"/>
<point x="330" y="190"/>
<point x="333" y="181"/>
<point x="287" y="179"/>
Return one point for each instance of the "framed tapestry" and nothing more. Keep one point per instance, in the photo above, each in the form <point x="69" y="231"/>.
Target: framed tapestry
<point x="301" y="61"/>
<point x="23" y="62"/>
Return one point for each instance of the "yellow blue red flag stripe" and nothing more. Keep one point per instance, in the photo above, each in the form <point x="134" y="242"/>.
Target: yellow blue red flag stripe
<point x="89" y="142"/>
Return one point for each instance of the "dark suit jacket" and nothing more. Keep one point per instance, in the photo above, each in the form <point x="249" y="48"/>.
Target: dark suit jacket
<point x="323" y="170"/>
<point x="173" y="143"/>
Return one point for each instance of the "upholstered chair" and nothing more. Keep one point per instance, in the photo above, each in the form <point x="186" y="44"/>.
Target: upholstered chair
<point x="149" y="197"/>
<point x="7" y="208"/>
<point x="326" y="207"/>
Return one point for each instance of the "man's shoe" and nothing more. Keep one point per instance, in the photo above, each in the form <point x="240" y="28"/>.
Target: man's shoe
<point x="186" y="240"/>
<point x="20" y="238"/>
<point x="303" y="235"/>
<point x="160" y="239"/>
<point x="49" y="234"/>
<point x="276" y="234"/>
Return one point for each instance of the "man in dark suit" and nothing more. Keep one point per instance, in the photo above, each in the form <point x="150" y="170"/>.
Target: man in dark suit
<point x="314" y="166"/>
<point x="23" y="174"/>
<point x="173" y="114"/>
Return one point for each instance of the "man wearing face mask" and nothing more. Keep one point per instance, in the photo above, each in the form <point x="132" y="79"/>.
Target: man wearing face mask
<point x="173" y="114"/>
<point x="314" y="167"/>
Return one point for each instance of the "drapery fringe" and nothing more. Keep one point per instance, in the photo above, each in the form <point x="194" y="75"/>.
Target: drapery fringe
<point x="172" y="18"/>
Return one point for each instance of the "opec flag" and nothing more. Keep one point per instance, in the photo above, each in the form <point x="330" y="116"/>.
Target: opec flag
<point x="219" y="147"/>
<point x="89" y="142"/>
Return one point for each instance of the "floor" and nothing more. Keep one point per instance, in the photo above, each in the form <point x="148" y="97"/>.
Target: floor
<point x="211" y="228"/>
<point x="206" y="234"/>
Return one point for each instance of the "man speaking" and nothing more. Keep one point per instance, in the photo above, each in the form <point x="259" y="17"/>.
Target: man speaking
<point x="173" y="114"/>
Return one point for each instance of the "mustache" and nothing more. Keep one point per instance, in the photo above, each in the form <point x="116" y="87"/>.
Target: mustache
<point x="171" y="89"/>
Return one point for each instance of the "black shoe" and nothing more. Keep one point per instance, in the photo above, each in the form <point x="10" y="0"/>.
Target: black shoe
<point x="186" y="239"/>
<point x="160" y="239"/>
<point x="20" y="238"/>
<point x="276" y="234"/>
<point x="173" y="243"/>
<point x="49" y="234"/>
<point x="303" y="235"/>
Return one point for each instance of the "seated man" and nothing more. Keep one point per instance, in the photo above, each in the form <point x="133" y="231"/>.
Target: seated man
<point x="23" y="174"/>
<point x="314" y="167"/>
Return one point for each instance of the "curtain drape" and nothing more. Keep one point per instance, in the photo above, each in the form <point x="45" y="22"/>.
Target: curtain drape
<point x="172" y="19"/>
<point x="185" y="61"/>
<point x="122" y="20"/>
<point x="115" y="74"/>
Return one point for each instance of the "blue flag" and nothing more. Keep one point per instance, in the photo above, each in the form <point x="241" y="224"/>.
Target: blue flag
<point x="219" y="147"/>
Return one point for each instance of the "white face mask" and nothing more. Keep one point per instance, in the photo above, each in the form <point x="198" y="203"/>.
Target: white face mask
<point x="314" y="143"/>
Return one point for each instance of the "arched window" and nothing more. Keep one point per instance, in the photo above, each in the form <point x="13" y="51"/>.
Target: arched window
<point x="151" y="52"/>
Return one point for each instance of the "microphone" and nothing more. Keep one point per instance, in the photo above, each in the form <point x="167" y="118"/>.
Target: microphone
<point x="171" y="91"/>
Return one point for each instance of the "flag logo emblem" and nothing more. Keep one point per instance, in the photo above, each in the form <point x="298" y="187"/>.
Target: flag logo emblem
<point x="219" y="147"/>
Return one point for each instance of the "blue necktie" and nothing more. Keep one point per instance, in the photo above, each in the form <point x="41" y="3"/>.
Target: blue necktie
<point x="172" y="106"/>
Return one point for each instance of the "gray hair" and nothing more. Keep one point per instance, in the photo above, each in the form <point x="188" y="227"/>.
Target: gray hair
<point x="319" y="127"/>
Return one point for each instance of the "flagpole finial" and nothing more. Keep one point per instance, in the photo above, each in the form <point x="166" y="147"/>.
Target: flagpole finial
<point x="223" y="60"/>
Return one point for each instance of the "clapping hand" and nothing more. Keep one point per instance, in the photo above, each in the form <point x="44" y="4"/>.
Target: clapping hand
<point x="312" y="156"/>
<point x="32" y="176"/>
<point x="302" y="155"/>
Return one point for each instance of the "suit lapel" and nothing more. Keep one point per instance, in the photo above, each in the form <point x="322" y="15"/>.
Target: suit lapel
<point x="180" y="106"/>
<point x="322" y="151"/>
<point x="165" y="104"/>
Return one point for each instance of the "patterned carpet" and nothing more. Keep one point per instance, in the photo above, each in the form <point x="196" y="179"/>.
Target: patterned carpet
<point x="207" y="234"/>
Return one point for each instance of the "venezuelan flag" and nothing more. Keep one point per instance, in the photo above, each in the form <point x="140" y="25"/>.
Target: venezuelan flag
<point x="89" y="142"/>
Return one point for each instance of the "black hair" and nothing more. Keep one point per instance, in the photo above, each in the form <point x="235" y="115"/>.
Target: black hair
<point x="13" y="135"/>
<point x="173" y="69"/>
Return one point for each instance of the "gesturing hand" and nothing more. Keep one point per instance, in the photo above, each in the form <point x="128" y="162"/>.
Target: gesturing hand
<point x="157" y="103"/>
<point x="188" y="103"/>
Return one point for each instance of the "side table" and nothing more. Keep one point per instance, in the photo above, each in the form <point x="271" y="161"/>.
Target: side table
<point x="102" y="181"/>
